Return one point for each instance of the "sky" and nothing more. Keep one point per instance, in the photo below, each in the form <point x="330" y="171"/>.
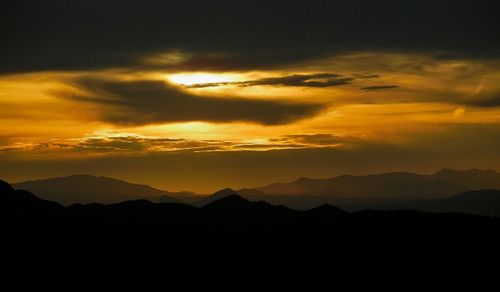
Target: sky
<point x="201" y="95"/>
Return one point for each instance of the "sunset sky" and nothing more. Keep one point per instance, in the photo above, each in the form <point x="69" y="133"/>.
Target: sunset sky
<point x="201" y="95"/>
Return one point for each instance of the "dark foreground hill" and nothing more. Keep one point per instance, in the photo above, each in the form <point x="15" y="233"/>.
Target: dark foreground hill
<point x="481" y="202"/>
<point x="231" y="229"/>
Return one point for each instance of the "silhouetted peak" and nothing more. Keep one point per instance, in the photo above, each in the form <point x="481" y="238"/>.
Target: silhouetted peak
<point x="225" y="192"/>
<point x="5" y="187"/>
<point x="217" y="196"/>
<point x="230" y="201"/>
<point x="233" y="199"/>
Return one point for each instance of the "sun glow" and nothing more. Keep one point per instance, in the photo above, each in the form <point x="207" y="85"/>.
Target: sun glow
<point x="198" y="78"/>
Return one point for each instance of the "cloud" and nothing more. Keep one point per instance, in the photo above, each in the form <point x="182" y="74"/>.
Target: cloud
<point x="458" y="113"/>
<point x="136" y="143"/>
<point x="155" y="102"/>
<point x="9" y="144"/>
<point x="116" y="143"/>
<point x="365" y="75"/>
<point x="104" y="34"/>
<point x="316" y="139"/>
<point x="483" y="100"/>
<point x="119" y="144"/>
<point x="380" y="87"/>
<point x="310" y="80"/>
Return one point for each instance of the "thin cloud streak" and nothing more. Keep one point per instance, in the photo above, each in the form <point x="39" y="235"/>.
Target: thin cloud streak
<point x="299" y="80"/>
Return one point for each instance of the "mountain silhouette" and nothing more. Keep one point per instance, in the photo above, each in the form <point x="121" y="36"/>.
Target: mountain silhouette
<point x="327" y="210"/>
<point x="237" y="206"/>
<point x="91" y="189"/>
<point x="348" y="191"/>
<point x="398" y="185"/>
<point x="215" y="196"/>
<point x="399" y="190"/>
<point x="5" y="187"/>
<point x="483" y="202"/>
<point x="232" y="200"/>
<point x="233" y="230"/>
<point x="473" y="179"/>
<point x="20" y="202"/>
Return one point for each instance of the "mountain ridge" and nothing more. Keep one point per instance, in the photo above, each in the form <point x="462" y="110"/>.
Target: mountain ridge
<point x="302" y="193"/>
<point x="83" y="188"/>
<point x="443" y="183"/>
<point x="229" y="228"/>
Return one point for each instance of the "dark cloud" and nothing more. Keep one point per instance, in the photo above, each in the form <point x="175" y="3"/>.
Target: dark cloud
<point x="153" y="102"/>
<point x="88" y="34"/>
<point x="380" y="87"/>
<point x="310" y="80"/>
<point x="365" y="75"/>
<point x="210" y="84"/>
<point x="487" y="99"/>
<point x="227" y="60"/>
<point x="491" y="99"/>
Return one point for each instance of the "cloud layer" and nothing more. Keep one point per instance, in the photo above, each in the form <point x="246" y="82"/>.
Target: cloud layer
<point x="236" y="35"/>
<point x="155" y="102"/>
<point x="116" y="143"/>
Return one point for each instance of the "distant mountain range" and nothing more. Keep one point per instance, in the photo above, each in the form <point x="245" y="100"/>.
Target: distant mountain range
<point x="396" y="185"/>
<point x="398" y="190"/>
<point x="91" y="189"/>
